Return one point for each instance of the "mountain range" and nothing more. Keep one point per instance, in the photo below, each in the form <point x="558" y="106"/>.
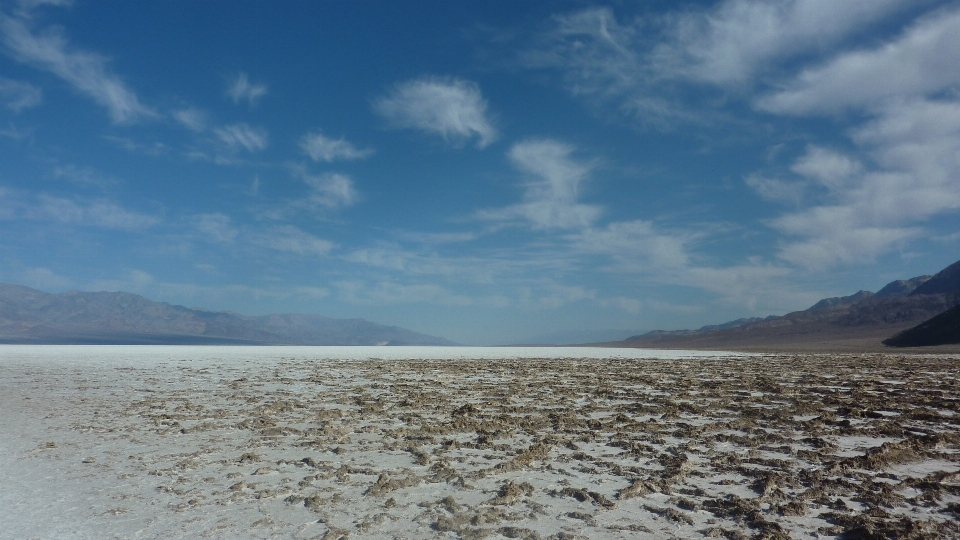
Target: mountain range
<point x="31" y="316"/>
<point x="902" y="313"/>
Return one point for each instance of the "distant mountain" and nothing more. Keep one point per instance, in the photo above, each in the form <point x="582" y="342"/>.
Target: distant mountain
<point x="31" y="316"/>
<point x="941" y="330"/>
<point x="861" y="319"/>
<point x="902" y="287"/>
<point x="702" y="329"/>
<point x="842" y="300"/>
<point x="945" y="282"/>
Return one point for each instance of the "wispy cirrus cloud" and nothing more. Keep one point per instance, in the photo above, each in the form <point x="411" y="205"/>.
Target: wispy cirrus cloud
<point x="191" y="118"/>
<point x="241" y="89"/>
<point x="552" y="189"/>
<point x="99" y="213"/>
<point x="291" y="239"/>
<point x="83" y="176"/>
<point x="242" y="136"/>
<point x="322" y="148"/>
<point x="329" y="190"/>
<point x="85" y="71"/>
<point x="392" y="292"/>
<point x="636" y="245"/>
<point x="19" y="95"/>
<point x="216" y="227"/>
<point x="646" y="66"/>
<point x="452" y="108"/>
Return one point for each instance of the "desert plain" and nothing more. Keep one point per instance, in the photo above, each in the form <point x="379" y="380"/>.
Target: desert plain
<point x="237" y="442"/>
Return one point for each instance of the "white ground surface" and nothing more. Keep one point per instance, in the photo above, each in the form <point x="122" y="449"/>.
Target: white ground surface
<point x="367" y="442"/>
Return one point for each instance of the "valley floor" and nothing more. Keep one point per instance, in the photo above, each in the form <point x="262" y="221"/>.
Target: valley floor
<point x="773" y="446"/>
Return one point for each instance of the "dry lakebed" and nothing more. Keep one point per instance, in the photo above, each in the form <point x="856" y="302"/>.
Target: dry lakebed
<point x="237" y="442"/>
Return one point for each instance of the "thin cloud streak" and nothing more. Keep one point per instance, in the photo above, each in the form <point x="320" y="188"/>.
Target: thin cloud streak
<point x="241" y="89"/>
<point x="19" y="95"/>
<point x="98" y="213"/>
<point x="322" y="148"/>
<point x="87" y="72"/>
<point x="242" y="136"/>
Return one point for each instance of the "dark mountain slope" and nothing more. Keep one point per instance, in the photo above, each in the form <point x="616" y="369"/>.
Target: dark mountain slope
<point x="872" y="319"/>
<point x="864" y="318"/>
<point x="31" y="316"/>
<point x="940" y="330"/>
<point x="946" y="281"/>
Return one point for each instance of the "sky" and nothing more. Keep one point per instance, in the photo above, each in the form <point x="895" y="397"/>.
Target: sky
<point x="487" y="171"/>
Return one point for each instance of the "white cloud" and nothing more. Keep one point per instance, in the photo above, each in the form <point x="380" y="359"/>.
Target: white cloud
<point x="774" y="189"/>
<point x="192" y="119"/>
<point x="83" y="176"/>
<point x="242" y="89"/>
<point x="636" y="245"/>
<point x="904" y="167"/>
<point x="19" y="95"/>
<point x="915" y="151"/>
<point x="649" y="254"/>
<point x="27" y="7"/>
<point x="645" y="64"/>
<point x="290" y="239"/>
<point x="12" y="132"/>
<point x="920" y="62"/>
<point x="735" y="40"/>
<point x="552" y="191"/>
<point x="630" y="305"/>
<point x="100" y="213"/>
<point x="322" y="148"/>
<point x="44" y="279"/>
<point x="552" y="296"/>
<point x="394" y="257"/>
<point x="147" y="148"/>
<point x="599" y="56"/>
<point x="749" y="284"/>
<point x="827" y="167"/>
<point x="134" y="281"/>
<point x="312" y="292"/>
<point x="437" y="238"/>
<point x="328" y="191"/>
<point x="388" y="292"/>
<point x="237" y="136"/>
<point x="216" y="228"/>
<point x="452" y="108"/>
<point x="87" y="72"/>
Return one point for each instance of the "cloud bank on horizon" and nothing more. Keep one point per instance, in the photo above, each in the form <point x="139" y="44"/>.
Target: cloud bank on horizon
<point x="485" y="172"/>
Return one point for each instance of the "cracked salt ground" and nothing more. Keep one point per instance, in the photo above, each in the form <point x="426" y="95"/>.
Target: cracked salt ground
<point x="281" y="443"/>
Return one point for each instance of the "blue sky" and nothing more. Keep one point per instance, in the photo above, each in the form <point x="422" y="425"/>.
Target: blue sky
<point x="491" y="171"/>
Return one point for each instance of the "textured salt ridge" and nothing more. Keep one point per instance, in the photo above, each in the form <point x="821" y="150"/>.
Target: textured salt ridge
<point x="192" y="446"/>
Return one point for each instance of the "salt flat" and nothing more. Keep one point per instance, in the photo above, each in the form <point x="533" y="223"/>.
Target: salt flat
<point x="366" y="442"/>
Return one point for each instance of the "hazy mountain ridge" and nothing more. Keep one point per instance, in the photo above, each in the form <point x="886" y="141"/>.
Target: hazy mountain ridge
<point x="898" y="306"/>
<point x="31" y="316"/>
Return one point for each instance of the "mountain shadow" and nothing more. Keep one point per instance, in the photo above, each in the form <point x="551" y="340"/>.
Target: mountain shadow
<point x="944" y="329"/>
